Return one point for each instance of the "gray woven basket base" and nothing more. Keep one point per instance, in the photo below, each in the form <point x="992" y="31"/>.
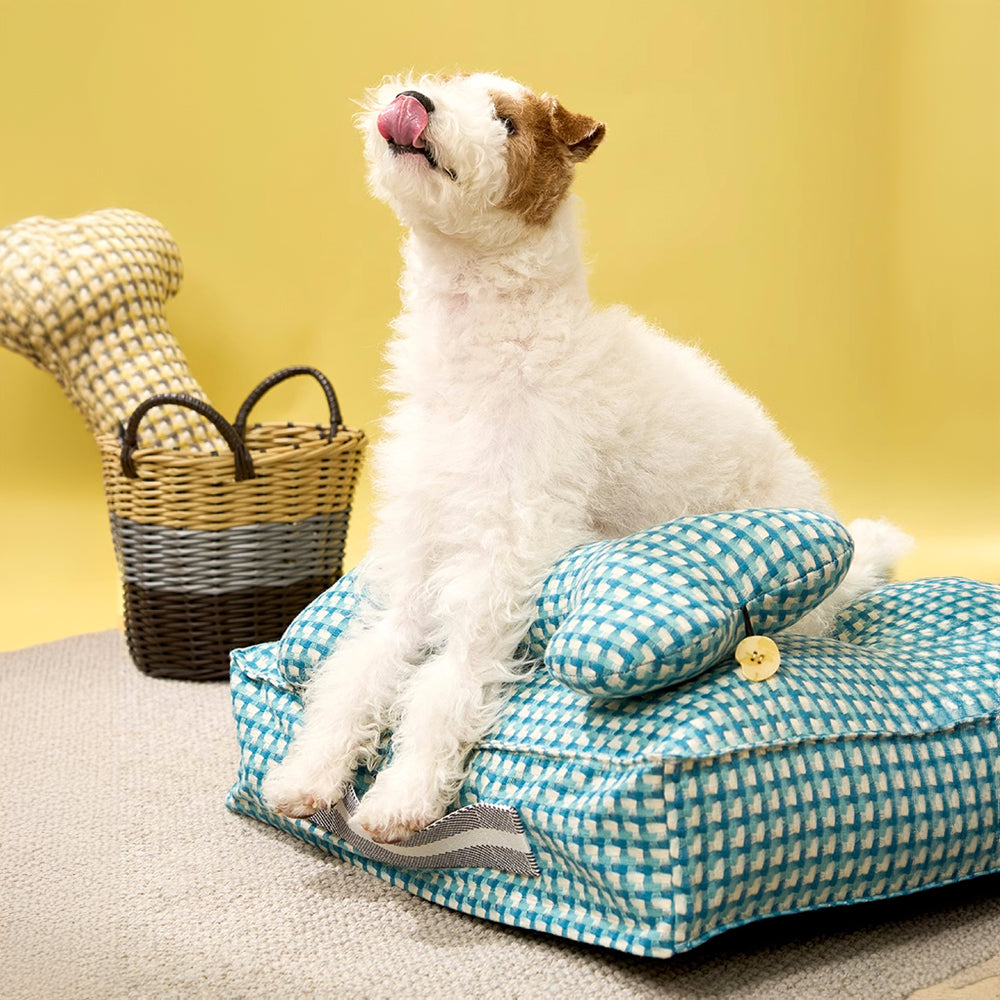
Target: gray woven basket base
<point x="201" y="561"/>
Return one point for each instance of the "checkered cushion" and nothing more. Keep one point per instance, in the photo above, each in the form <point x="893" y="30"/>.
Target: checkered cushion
<point x="629" y="616"/>
<point x="868" y="766"/>
<point x="635" y="614"/>
<point x="314" y="633"/>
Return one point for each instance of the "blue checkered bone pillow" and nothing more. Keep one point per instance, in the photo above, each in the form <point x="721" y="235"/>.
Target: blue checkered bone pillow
<point x="631" y="615"/>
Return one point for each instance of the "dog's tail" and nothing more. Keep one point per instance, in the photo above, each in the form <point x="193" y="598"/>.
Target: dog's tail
<point x="878" y="546"/>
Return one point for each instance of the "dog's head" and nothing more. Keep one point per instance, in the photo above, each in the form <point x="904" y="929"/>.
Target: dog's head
<point x="469" y="155"/>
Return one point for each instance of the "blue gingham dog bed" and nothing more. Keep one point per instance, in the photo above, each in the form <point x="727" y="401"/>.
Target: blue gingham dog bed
<point x="867" y="767"/>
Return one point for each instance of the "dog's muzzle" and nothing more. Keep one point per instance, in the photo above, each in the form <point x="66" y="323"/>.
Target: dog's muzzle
<point x="403" y="123"/>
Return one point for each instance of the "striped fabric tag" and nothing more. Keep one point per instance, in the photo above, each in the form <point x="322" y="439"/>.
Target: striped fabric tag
<point x="477" y="836"/>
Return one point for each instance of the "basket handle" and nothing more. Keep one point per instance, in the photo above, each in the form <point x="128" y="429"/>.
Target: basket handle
<point x="240" y="424"/>
<point x="130" y="433"/>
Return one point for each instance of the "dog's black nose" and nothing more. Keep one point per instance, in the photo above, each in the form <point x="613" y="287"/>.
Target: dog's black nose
<point x="422" y="98"/>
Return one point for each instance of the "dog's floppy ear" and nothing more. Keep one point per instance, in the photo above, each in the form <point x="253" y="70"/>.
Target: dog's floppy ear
<point x="582" y="135"/>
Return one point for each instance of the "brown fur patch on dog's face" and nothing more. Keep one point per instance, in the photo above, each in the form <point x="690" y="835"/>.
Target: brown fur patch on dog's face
<point x="546" y="142"/>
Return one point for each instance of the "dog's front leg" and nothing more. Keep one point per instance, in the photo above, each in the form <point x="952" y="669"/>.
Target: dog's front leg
<point x="454" y="698"/>
<point x="452" y="702"/>
<point x="346" y="711"/>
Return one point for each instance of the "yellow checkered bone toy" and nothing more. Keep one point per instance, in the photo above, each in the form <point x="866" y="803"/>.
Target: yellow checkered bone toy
<point x="84" y="299"/>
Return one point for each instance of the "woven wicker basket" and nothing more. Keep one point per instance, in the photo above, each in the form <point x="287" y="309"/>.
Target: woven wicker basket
<point x="221" y="550"/>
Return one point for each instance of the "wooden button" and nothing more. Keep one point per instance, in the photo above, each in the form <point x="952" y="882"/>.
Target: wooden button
<point x="758" y="657"/>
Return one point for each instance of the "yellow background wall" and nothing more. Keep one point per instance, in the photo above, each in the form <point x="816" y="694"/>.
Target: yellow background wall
<point x="809" y="190"/>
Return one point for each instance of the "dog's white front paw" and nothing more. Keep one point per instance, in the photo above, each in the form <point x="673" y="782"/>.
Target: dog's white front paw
<point x="399" y="804"/>
<point x="299" y="786"/>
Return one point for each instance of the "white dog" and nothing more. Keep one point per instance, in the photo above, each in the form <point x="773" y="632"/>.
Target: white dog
<point x="526" y="422"/>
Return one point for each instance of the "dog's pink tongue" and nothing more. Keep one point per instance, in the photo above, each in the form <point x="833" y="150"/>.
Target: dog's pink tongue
<point x="403" y="122"/>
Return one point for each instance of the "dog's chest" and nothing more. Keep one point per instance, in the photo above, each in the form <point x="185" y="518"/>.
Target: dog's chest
<point x="481" y="400"/>
<point x="461" y="353"/>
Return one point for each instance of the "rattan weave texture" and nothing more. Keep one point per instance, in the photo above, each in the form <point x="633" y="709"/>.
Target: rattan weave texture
<point x="298" y="472"/>
<point x="84" y="299"/>
<point x="223" y="532"/>
<point x="219" y="551"/>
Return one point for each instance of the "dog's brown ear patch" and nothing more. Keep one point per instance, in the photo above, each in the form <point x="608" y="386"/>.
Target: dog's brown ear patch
<point x="581" y="134"/>
<point x="545" y="141"/>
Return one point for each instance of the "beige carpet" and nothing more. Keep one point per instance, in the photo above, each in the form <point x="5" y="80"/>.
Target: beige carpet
<point x="123" y="876"/>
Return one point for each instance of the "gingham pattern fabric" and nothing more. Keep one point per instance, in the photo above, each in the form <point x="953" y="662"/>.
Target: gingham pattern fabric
<point x="628" y="616"/>
<point x="313" y="634"/>
<point x="84" y="298"/>
<point x="862" y="769"/>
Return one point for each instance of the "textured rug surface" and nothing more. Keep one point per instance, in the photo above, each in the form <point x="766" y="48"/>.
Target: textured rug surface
<point x="122" y="875"/>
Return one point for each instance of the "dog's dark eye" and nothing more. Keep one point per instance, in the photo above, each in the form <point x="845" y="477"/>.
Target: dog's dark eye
<point x="507" y="124"/>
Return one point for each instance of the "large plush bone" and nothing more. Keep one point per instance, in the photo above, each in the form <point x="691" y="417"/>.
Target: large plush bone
<point x="84" y="299"/>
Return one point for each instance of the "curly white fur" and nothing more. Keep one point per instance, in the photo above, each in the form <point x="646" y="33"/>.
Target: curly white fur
<point x="525" y="422"/>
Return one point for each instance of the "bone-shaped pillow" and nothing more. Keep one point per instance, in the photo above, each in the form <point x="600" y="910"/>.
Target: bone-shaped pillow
<point x="633" y="615"/>
<point x="84" y="299"/>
